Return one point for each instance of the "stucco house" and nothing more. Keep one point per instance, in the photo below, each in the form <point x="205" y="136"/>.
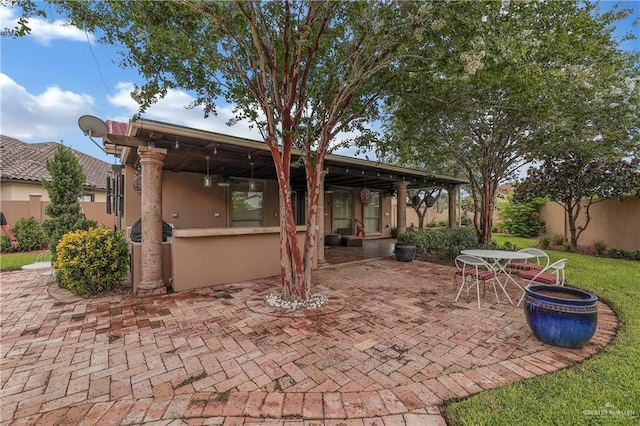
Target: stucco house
<point x="220" y="196"/>
<point x="22" y="169"/>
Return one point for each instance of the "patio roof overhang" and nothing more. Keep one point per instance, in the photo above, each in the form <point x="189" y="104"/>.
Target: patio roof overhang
<point x="232" y="156"/>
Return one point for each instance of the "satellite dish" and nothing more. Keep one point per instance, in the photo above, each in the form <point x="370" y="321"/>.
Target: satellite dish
<point x="93" y="126"/>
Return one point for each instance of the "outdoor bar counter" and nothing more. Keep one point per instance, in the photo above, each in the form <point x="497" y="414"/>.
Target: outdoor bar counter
<point x="203" y="257"/>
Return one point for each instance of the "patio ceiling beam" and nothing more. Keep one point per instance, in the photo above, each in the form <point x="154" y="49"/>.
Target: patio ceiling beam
<point x="130" y="141"/>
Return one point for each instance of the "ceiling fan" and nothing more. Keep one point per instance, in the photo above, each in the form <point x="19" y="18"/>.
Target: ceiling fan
<point x="222" y="180"/>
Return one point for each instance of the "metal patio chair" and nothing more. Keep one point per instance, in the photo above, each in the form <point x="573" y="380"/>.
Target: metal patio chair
<point x="541" y="260"/>
<point x="553" y="274"/>
<point x="473" y="270"/>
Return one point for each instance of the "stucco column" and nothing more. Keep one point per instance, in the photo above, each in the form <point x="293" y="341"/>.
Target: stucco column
<point x="453" y="210"/>
<point x="320" y="227"/>
<point x="402" y="205"/>
<point x="151" y="162"/>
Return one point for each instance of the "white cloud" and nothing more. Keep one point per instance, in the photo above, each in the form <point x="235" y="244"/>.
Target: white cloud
<point x="41" y="116"/>
<point x="172" y="109"/>
<point x="45" y="31"/>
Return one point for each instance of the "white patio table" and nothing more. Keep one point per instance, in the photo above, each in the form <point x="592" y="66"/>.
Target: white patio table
<point x="499" y="259"/>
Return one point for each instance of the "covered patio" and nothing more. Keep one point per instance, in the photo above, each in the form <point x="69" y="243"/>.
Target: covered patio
<point x="219" y="195"/>
<point x="370" y="249"/>
<point x="389" y="348"/>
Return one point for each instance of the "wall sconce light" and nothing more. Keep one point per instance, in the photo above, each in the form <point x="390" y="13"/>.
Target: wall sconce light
<point x="208" y="180"/>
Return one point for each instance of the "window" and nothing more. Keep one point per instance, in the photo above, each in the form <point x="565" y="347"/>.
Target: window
<point x="342" y="209"/>
<point x="299" y="203"/>
<point x="246" y="206"/>
<point x="88" y="198"/>
<point x="372" y="214"/>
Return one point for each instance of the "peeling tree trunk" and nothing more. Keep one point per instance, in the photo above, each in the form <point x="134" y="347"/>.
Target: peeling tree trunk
<point x="292" y="267"/>
<point x="486" y="213"/>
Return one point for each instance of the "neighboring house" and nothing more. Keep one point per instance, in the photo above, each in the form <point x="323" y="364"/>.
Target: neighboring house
<point x="22" y="169"/>
<point x="226" y="227"/>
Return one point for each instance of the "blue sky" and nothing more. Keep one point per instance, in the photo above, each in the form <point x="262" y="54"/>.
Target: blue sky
<point x="58" y="73"/>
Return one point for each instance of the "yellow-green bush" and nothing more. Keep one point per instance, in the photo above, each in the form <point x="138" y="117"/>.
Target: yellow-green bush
<point x="92" y="261"/>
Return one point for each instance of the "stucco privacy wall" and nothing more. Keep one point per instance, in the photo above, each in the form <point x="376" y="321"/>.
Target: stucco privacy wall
<point x="432" y="214"/>
<point x="617" y="223"/>
<point x="15" y="210"/>
<point x="22" y="191"/>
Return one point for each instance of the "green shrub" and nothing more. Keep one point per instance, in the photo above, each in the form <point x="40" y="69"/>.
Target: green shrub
<point x="522" y="219"/>
<point x="544" y="241"/>
<point x="600" y="247"/>
<point x="616" y="253"/>
<point x="56" y="227"/>
<point x="92" y="261"/>
<point x="558" y="239"/>
<point x="394" y="232"/>
<point x="29" y="234"/>
<point x="445" y="241"/>
<point x="624" y="254"/>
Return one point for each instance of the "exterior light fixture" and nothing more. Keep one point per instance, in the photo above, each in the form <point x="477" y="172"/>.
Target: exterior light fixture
<point x="252" y="184"/>
<point x="208" y="180"/>
<point x="177" y="145"/>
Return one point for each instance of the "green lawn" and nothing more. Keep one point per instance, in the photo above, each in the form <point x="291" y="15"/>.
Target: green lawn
<point x="608" y="382"/>
<point x="15" y="261"/>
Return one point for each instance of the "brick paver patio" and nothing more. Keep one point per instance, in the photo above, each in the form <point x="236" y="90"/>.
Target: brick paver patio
<point x="388" y="350"/>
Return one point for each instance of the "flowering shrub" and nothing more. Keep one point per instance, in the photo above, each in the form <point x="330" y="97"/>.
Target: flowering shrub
<point x="92" y="261"/>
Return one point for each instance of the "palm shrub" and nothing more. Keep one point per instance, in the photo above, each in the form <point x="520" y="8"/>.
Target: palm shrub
<point x="600" y="247"/>
<point x="29" y="234"/>
<point x="91" y="261"/>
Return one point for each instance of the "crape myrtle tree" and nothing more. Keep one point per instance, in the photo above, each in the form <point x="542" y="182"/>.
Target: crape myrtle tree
<point x="488" y="100"/>
<point x="301" y="71"/>
<point x="421" y="199"/>
<point x="592" y="138"/>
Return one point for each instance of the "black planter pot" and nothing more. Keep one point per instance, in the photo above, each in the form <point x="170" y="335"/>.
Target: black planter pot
<point x="405" y="252"/>
<point x="561" y="316"/>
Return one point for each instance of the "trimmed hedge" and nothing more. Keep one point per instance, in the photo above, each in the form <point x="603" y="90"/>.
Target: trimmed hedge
<point x="444" y="241"/>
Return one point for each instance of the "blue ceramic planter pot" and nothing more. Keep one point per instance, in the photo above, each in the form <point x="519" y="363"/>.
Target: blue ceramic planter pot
<point x="405" y="252"/>
<point x="561" y="316"/>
